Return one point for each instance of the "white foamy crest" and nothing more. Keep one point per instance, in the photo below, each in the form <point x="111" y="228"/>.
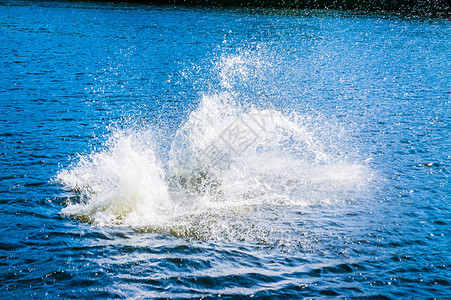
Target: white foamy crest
<point x="248" y="155"/>
<point x="122" y="184"/>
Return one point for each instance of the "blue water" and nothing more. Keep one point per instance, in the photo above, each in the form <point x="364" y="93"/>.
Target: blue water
<point x="107" y="113"/>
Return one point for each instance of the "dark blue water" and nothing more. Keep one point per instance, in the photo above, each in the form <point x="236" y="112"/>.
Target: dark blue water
<point x="107" y="113"/>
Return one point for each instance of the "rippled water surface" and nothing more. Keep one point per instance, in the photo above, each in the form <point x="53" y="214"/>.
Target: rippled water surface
<point x="173" y="152"/>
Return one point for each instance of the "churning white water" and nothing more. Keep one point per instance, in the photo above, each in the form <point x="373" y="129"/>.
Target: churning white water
<point x="227" y="156"/>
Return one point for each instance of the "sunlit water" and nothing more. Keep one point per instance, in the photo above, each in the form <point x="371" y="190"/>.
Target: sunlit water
<point x="151" y="152"/>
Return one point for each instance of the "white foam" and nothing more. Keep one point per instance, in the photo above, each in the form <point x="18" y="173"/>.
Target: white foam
<point x="122" y="184"/>
<point x="284" y="161"/>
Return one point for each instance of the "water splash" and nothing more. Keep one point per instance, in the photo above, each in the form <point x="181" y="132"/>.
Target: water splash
<point x="121" y="184"/>
<point x="227" y="156"/>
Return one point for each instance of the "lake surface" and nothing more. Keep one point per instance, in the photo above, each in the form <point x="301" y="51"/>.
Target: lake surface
<point x="174" y="152"/>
